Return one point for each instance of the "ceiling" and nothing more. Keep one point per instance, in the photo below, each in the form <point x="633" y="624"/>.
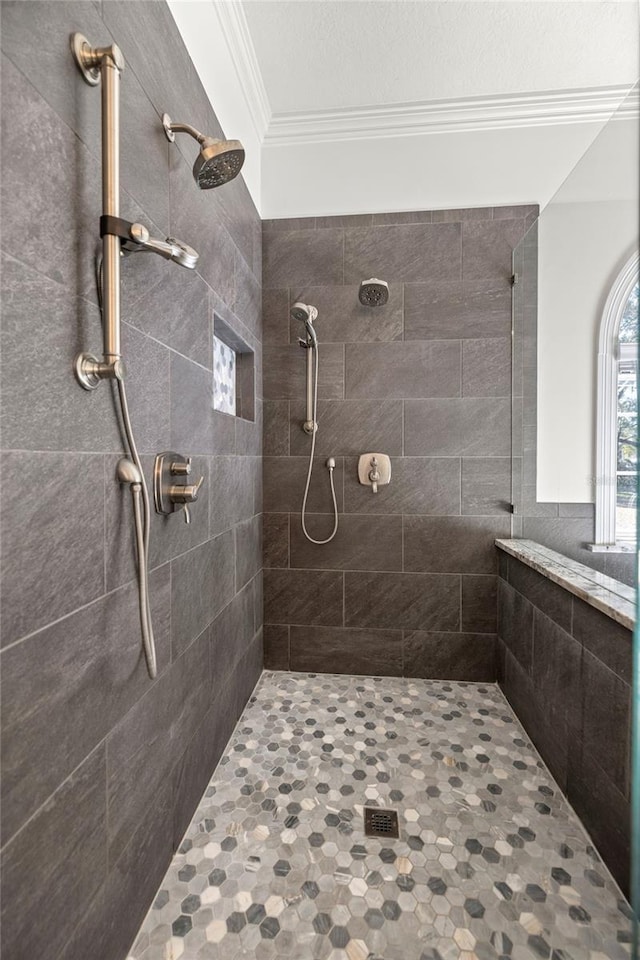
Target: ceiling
<point x="322" y="54"/>
<point x="351" y="106"/>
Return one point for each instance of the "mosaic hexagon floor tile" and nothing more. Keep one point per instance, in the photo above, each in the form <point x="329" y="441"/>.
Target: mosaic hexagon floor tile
<point x="491" y="862"/>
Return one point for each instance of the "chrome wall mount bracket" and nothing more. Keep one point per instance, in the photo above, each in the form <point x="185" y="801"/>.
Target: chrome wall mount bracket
<point x="89" y="58"/>
<point x="171" y="489"/>
<point x="90" y="371"/>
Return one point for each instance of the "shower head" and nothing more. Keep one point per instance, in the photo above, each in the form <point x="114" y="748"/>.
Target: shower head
<point x="170" y="249"/>
<point x="373" y="293"/>
<point x="306" y="314"/>
<point x="218" y="162"/>
<point x="182" y="253"/>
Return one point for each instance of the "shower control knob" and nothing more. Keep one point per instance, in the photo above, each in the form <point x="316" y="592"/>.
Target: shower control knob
<point x="171" y="489"/>
<point x="185" y="493"/>
<point x="181" y="468"/>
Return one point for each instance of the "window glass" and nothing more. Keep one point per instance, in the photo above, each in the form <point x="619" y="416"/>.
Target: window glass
<point x="627" y="425"/>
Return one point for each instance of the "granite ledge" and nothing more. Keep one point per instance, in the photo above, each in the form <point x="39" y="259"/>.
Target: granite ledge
<point x="609" y="596"/>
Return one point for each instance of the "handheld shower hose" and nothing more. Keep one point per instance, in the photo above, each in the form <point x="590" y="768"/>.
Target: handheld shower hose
<point x="331" y="464"/>
<point x="142" y="516"/>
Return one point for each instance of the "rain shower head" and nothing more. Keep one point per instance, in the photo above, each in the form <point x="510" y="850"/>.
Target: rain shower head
<point x="373" y="293"/>
<point x="218" y="162"/>
<point x="306" y="314"/>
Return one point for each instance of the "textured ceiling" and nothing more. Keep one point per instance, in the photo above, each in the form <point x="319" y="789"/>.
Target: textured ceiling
<point x="320" y="54"/>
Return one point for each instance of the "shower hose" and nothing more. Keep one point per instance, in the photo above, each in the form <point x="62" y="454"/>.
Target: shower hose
<point x="142" y="519"/>
<point x="330" y="463"/>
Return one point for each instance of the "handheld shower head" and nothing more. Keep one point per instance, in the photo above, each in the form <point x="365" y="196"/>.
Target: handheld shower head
<point x="218" y="162"/>
<point x="170" y="249"/>
<point x="306" y="314"/>
<point x="373" y="293"/>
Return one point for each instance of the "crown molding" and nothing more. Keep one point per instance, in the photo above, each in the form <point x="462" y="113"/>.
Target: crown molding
<point x="235" y="30"/>
<point x="547" y="108"/>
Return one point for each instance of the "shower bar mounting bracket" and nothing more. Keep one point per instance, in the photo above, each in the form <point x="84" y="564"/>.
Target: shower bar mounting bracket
<point x="90" y="371"/>
<point x="89" y="59"/>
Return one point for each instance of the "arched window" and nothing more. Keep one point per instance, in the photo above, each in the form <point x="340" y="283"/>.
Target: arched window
<point x="617" y="424"/>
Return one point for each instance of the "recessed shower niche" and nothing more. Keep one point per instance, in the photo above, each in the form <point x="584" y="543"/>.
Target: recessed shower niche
<point x="233" y="372"/>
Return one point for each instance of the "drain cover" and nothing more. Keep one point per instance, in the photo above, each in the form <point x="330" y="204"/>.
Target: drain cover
<point x="380" y="823"/>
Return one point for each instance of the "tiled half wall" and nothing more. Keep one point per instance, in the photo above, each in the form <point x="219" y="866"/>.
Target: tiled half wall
<point x="566" y="670"/>
<point x="408" y="586"/>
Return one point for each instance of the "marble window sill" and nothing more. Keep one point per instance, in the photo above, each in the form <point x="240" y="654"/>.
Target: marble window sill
<point x="615" y="599"/>
<point x="611" y="547"/>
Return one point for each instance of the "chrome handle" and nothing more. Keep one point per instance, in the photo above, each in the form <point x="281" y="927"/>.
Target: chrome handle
<point x="374" y="475"/>
<point x="181" y="468"/>
<point x="185" y="493"/>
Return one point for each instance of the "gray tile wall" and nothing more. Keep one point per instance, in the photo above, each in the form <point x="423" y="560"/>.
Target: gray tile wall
<point x="566" y="670"/>
<point x="565" y="527"/>
<point x="102" y="768"/>
<point x="409" y="584"/>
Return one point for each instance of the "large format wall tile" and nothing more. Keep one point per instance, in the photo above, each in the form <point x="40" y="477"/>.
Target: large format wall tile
<point x="202" y="583"/>
<point x="403" y="253"/>
<point x="361" y="543"/>
<point x="303" y="596"/>
<point x="453" y="544"/>
<point x="487" y="247"/>
<point x="486" y="368"/>
<point x="350" y="427"/>
<point x="454" y="310"/>
<point x="450" y="656"/>
<point x="346" y="650"/>
<point x="109" y="928"/>
<point x="275" y="539"/>
<point x="486" y="485"/>
<point x="157" y="728"/>
<point x="387" y="370"/>
<point x="407" y="601"/>
<point x="606" y="720"/>
<point x="176" y="312"/>
<point x="297" y="257"/>
<point x="284" y="483"/>
<point x="248" y="550"/>
<point x="547" y="596"/>
<point x="62" y="668"/>
<point x="71" y="188"/>
<point x="53" y="539"/>
<point x="419" y="485"/>
<point x="515" y="623"/>
<point x="37" y="360"/>
<point x="556" y="671"/>
<point x="607" y="640"/>
<point x="232" y="491"/>
<point x="454" y="428"/>
<point x="44" y="879"/>
<point x="285" y="372"/>
<point x="479" y="603"/>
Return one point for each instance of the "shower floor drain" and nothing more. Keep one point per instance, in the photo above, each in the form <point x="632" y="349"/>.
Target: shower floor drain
<point x="380" y="823"/>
